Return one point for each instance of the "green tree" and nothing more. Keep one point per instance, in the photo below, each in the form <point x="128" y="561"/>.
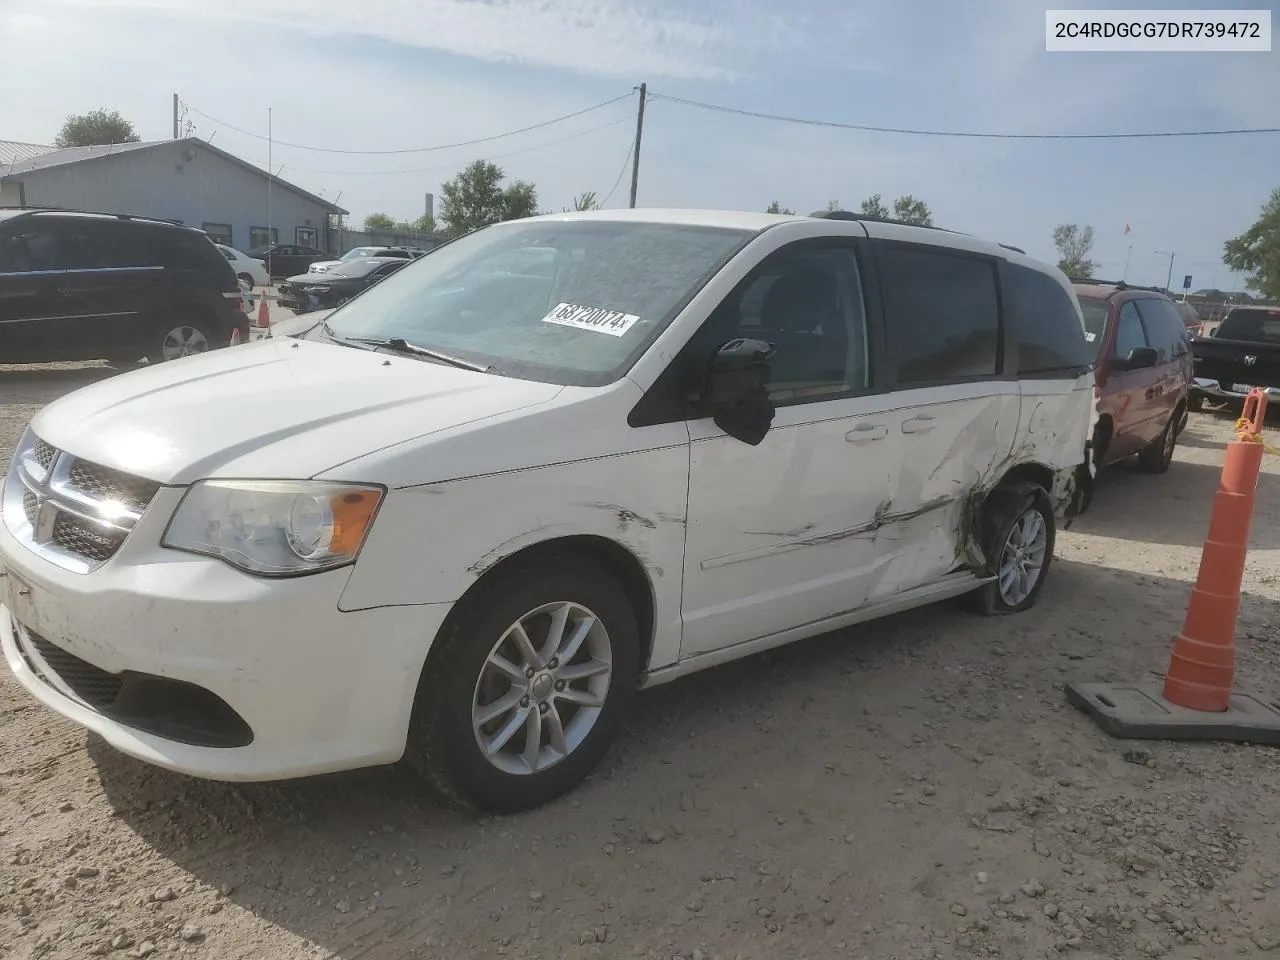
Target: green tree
<point x="476" y="198"/>
<point x="1073" y="245"/>
<point x="1256" y="252"/>
<point x="585" y="201"/>
<point x="96" y="127"/>
<point x="874" y="207"/>
<point x="833" y="206"/>
<point x="379" y="221"/>
<point x="910" y="210"/>
<point x="776" y="207"/>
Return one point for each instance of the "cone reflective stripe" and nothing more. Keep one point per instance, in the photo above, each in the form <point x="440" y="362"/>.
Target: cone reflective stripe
<point x="264" y="318"/>
<point x="1202" y="665"/>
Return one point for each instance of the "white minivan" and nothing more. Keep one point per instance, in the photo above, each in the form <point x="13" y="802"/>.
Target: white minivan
<point x="462" y="519"/>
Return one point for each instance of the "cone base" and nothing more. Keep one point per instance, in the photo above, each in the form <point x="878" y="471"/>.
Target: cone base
<point x="1138" y="711"/>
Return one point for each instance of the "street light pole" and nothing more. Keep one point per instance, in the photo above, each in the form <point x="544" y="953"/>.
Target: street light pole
<point x="1169" y="279"/>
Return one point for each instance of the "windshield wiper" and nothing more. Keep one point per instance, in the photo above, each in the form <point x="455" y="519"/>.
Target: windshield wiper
<point x="401" y="345"/>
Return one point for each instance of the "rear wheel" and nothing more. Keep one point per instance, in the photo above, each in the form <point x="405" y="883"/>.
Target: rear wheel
<point x="1018" y="534"/>
<point x="246" y="278"/>
<point x="529" y="682"/>
<point x="180" y="339"/>
<point x="1158" y="454"/>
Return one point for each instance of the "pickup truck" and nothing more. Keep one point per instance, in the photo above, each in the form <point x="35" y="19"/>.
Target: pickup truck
<point x="1242" y="353"/>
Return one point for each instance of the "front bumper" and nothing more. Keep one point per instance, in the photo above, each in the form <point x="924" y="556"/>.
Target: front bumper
<point x="317" y="689"/>
<point x="1222" y="390"/>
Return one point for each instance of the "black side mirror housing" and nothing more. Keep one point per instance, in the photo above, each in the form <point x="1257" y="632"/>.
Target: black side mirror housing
<point x="736" y="389"/>
<point x="1140" y="358"/>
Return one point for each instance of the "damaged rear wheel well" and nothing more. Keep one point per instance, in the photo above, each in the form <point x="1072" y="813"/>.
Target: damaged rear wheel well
<point x="1037" y="473"/>
<point x="616" y="560"/>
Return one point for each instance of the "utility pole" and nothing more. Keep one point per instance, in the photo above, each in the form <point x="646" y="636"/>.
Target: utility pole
<point x="270" y="176"/>
<point x="635" y="157"/>
<point x="175" y="116"/>
<point x="1127" y="258"/>
<point x="1169" y="281"/>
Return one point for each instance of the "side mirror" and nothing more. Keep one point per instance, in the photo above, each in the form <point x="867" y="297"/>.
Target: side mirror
<point x="736" y="389"/>
<point x="1140" y="358"/>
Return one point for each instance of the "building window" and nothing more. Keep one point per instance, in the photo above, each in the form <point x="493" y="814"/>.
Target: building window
<point x="260" y="237"/>
<point x="305" y="236"/>
<point x="218" y="232"/>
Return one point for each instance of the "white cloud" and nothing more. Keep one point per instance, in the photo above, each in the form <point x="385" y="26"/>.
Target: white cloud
<point x="605" y="37"/>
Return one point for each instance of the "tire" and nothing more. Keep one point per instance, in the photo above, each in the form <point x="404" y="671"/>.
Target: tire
<point x="247" y="279"/>
<point x="174" y="339"/>
<point x="1195" y="403"/>
<point x="1156" y="456"/>
<point x="443" y="750"/>
<point x="1008" y="507"/>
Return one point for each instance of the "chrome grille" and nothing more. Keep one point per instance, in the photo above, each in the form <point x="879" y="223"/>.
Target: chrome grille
<point x="111" y="486"/>
<point x="44" y="453"/>
<point x="75" y="512"/>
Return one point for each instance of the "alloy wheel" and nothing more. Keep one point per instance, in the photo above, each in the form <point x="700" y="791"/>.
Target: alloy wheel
<point x="1023" y="558"/>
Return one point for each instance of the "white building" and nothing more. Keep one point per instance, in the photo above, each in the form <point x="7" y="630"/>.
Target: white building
<point x="187" y="180"/>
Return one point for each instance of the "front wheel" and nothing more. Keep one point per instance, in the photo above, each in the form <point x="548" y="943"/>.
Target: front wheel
<point x="1158" y="454"/>
<point x="1018" y="534"/>
<point x="529" y="682"/>
<point x="174" y="340"/>
<point x="1195" y="402"/>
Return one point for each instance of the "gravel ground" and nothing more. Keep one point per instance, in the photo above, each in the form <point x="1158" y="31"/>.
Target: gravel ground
<point x="918" y="790"/>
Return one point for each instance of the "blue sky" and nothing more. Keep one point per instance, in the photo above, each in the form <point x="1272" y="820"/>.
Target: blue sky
<point x="389" y="74"/>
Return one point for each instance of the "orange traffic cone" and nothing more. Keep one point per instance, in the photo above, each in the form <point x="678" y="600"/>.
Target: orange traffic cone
<point x="1196" y="701"/>
<point x="235" y="337"/>
<point x="264" y="317"/>
<point x="1202" y="665"/>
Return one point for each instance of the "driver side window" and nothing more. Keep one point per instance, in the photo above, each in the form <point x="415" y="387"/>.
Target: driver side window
<point x="1129" y="334"/>
<point x="808" y="303"/>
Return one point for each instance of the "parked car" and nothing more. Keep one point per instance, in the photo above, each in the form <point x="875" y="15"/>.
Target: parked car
<point x="1143" y="373"/>
<point x="251" y="271"/>
<point x="89" y="286"/>
<point x="286" y="259"/>
<point x="311" y="291"/>
<point x="473" y="514"/>
<point x="363" y="253"/>
<point x="1243" y="352"/>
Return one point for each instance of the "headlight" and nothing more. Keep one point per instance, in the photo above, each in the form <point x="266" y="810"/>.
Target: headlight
<point x="274" y="527"/>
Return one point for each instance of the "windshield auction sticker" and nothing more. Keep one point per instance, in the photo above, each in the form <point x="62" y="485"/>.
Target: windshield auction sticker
<point x="599" y="319"/>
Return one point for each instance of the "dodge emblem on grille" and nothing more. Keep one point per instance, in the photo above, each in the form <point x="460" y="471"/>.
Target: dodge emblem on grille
<point x="1250" y="359"/>
<point x="46" y="512"/>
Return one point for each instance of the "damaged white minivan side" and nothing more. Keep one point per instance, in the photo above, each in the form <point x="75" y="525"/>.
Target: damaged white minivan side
<point x="462" y="519"/>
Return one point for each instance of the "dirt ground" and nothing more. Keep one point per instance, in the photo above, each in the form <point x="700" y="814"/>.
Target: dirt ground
<point x="913" y="788"/>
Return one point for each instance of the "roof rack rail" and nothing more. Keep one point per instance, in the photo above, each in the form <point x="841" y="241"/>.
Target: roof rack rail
<point x="100" y="213"/>
<point x="1118" y="284"/>
<point x="1010" y="246"/>
<point x="871" y="218"/>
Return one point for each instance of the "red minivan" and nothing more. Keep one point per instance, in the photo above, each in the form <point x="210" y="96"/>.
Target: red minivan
<point x="1143" y="374"/>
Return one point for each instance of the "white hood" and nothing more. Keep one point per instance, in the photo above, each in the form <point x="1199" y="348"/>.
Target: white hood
<point x="283" y="408"/>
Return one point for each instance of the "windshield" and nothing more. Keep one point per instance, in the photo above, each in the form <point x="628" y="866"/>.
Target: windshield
<point x="579" y="313"/>
<point x="359" y="253"/>
<point x="1261" y="326"/>
<point x="1095" y="319"/>
<point x="227" y="252"/>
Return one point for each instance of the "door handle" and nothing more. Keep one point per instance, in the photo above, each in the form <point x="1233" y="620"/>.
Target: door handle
<point x="918" y="425"/>
<point x="866" y="432"/>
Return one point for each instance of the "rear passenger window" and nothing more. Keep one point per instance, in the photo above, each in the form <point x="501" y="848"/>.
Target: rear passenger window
<point x="32" y="247"/>
<point x="1129" y="335"/>
<point x="1050" y="337"/>
<point x="942" y="314"/>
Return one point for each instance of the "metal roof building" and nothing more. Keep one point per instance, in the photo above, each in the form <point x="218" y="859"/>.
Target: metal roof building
<point x="187" y="180"/>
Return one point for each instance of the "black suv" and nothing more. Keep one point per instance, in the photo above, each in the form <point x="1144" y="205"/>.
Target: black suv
<point x="93" y="286"/>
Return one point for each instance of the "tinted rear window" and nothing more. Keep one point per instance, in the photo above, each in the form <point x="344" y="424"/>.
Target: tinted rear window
<point x="1260" y="325"/>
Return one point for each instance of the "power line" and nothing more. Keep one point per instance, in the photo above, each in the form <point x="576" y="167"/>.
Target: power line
<point x="450" y="166"/>
<point x="626" y="161"/>
<point x="443" y="146"/>
<point x="955" y="133"/>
